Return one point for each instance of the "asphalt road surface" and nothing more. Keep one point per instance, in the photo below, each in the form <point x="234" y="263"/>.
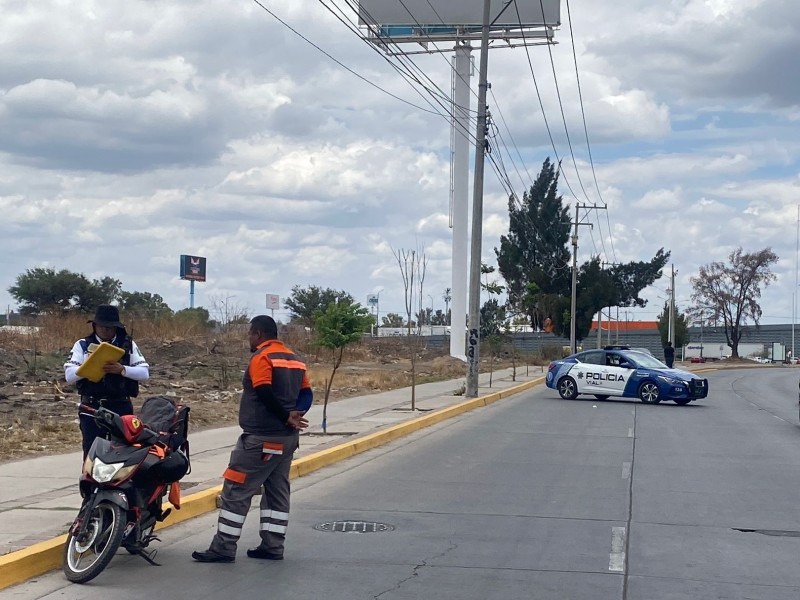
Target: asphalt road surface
<point x="532" y="497"/>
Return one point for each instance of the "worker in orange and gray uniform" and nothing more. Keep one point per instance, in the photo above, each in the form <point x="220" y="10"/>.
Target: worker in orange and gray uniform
<point x="275" y="397"/>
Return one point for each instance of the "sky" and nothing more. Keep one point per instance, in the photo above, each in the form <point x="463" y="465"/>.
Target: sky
<point x="136" y="132"/>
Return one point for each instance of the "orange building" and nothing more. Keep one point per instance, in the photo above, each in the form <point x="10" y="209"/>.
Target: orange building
<point x="625" y="326"/>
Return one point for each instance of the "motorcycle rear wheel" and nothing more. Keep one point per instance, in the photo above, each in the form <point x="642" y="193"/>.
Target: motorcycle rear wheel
<point x="86" y="556"/>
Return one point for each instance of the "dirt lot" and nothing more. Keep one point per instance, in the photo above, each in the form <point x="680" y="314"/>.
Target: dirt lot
<point x="38" y="413"/>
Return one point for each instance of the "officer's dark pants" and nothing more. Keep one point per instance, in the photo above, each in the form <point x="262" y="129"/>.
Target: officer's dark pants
<point x="90" y="430"/>
<point x="258" y="463"/>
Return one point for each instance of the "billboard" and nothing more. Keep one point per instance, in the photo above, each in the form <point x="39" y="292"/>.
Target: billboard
<point x="273" y="301"/>
<point x="462" y="12"/>
<point x="193" y="268"/>
<point x="372" y="299"/>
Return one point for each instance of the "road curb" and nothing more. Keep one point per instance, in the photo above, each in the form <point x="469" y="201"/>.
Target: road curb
<point x="22" y="565"/>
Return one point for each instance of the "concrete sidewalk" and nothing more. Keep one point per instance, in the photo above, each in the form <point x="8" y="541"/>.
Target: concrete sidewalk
<point x="39" y="497"/>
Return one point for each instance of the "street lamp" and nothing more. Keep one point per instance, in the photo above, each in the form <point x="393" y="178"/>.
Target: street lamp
<point x="701" y="337"/>
<point x="374" y="300"/>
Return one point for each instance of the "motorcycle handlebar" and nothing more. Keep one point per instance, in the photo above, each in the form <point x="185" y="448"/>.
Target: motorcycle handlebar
<point x="105" y="418"/>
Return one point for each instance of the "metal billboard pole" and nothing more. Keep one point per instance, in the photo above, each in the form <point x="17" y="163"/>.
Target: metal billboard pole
<point x="473" y="346"/>
<point x="426" y="23"/>
<point x="459" y="127"/>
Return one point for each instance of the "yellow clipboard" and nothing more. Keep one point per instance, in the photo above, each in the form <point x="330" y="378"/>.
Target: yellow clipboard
<point x="92" y="368"/>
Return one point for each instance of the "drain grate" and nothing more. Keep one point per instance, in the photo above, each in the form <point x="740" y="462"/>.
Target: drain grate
<point x="353" y="527"/>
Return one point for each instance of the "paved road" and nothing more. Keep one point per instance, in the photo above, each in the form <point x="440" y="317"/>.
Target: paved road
<point x="532" y="497"/>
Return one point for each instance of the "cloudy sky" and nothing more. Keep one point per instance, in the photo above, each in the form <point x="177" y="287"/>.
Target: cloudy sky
<point x="139" y="131"/>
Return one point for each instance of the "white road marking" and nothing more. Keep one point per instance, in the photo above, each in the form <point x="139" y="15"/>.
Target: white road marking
<point x="630" y="431"/>
<point x="616" y="560"/>
<point x="626" y="470"/>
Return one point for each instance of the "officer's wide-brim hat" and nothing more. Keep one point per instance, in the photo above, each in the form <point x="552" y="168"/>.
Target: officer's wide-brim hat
<point x="107" y="316"/>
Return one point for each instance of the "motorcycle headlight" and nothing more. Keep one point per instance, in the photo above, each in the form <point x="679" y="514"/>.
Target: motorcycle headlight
<point x="671" y="380"/>
<point x="102" y="472"/>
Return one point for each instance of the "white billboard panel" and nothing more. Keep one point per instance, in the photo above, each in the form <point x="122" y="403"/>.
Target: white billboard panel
<point x="459" y="12"/>
<point x="273" y="301"/>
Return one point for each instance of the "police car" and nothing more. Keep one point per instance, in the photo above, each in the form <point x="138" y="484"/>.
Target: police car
<point x="620" y="371"/>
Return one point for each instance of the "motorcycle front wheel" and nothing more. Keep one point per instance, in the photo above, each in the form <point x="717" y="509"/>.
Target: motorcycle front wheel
<point x="85" y="556"/>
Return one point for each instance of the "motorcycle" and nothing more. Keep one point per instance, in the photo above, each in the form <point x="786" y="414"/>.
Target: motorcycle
<point x="123" y="484"/>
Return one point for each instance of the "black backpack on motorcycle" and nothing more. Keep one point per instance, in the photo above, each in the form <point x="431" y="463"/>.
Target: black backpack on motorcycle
<point x="171" y="421"/>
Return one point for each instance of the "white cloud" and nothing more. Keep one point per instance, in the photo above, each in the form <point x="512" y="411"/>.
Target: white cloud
<point x="137" y="132"/>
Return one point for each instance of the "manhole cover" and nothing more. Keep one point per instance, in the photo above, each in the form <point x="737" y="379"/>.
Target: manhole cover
<point x="353" y="526"/>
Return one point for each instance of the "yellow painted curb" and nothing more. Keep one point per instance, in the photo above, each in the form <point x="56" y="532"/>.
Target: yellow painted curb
<point x="25" y="564"/>
<point x="22" y="565"/>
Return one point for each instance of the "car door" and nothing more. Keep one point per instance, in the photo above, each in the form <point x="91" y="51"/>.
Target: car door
<point x="591" y="377"/>
<point x="618" y="372"/>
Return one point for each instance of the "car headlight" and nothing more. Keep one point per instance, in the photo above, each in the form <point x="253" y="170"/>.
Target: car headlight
<point x="671" y="380"/>
<point x="102" y="472"/>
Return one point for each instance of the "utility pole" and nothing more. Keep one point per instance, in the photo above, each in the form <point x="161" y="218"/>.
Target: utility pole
<point x="600" y="329"/>
<point x="573" y="342"/>
<point x="473" y="347"/>
<point x="794" y="295"/>
<point x="671" y="330"/>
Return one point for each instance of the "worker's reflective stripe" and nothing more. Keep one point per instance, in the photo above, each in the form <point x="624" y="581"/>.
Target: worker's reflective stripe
<point x="231" y="516"/>
<point x="273" y="527"/>
<point x="227" y="529"/>
<point x="275" y="514"/>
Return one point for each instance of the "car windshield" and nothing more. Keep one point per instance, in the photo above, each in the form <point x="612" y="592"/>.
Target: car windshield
<point x="648" y="361"/>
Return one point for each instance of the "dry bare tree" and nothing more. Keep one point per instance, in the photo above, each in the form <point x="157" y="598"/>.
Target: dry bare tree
<point x="413" y="265"/>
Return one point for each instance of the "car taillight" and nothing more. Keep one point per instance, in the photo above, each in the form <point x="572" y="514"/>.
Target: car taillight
<point x="552" y="367"/>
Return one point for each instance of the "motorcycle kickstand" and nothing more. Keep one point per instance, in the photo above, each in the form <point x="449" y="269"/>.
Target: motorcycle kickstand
<point x="148" y="555"/>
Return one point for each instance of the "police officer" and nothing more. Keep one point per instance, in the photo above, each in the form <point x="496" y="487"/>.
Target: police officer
<point x="669" y="354"/>
<point x="275" y="396"/>
<point x="121" y="380"/>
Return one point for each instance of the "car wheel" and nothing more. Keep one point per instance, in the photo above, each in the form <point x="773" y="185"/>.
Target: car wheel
<point x="682" y="401"/>
<point x="567" y="388"/>
<point x="601" y="396"/>
<point x="648" y="393"/>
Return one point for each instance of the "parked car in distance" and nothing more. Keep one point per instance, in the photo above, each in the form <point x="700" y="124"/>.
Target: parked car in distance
<point x="698" y="359"/>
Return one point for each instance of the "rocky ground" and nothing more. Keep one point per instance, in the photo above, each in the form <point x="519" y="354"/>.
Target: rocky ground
<point x="38" y="410"/>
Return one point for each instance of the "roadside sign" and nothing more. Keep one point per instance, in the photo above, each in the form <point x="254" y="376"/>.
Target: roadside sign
<point x="273" y="301"/>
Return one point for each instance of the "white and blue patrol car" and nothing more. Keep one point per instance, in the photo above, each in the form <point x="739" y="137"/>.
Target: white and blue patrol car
<point x="620" y="371"/>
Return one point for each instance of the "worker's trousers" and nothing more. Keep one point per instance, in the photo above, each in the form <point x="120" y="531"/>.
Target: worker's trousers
<point x="257" y="463"/>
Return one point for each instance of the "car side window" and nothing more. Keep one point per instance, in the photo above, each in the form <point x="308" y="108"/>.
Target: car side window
<point x="613" y="360"/>
<point x="596" y="357"/>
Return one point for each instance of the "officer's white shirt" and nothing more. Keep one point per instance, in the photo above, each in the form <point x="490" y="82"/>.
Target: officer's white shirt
<point x="138" y="370"/>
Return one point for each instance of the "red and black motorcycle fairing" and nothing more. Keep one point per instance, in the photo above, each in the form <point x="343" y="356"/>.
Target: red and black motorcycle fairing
<point x="131" y="471"/>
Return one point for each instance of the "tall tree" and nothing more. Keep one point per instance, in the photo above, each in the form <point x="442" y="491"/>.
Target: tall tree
<point x="144" y="304"/>
<point x="595" y="290"/>
<point x="535" y="249"/>
<point x="493" y="318"/>
<point x="439" y="318"/>
<point x="534" y="259"/>
<point x="391" y="320"/>
<point x="730" y="292"/>
<point x="447" y="297"/>
<point x="45" y="290"/>
<point x="194" y="318"/>
<point x="305" y="303"/>
<point x="631" y="278"/>
<point x="413" y="266"/>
